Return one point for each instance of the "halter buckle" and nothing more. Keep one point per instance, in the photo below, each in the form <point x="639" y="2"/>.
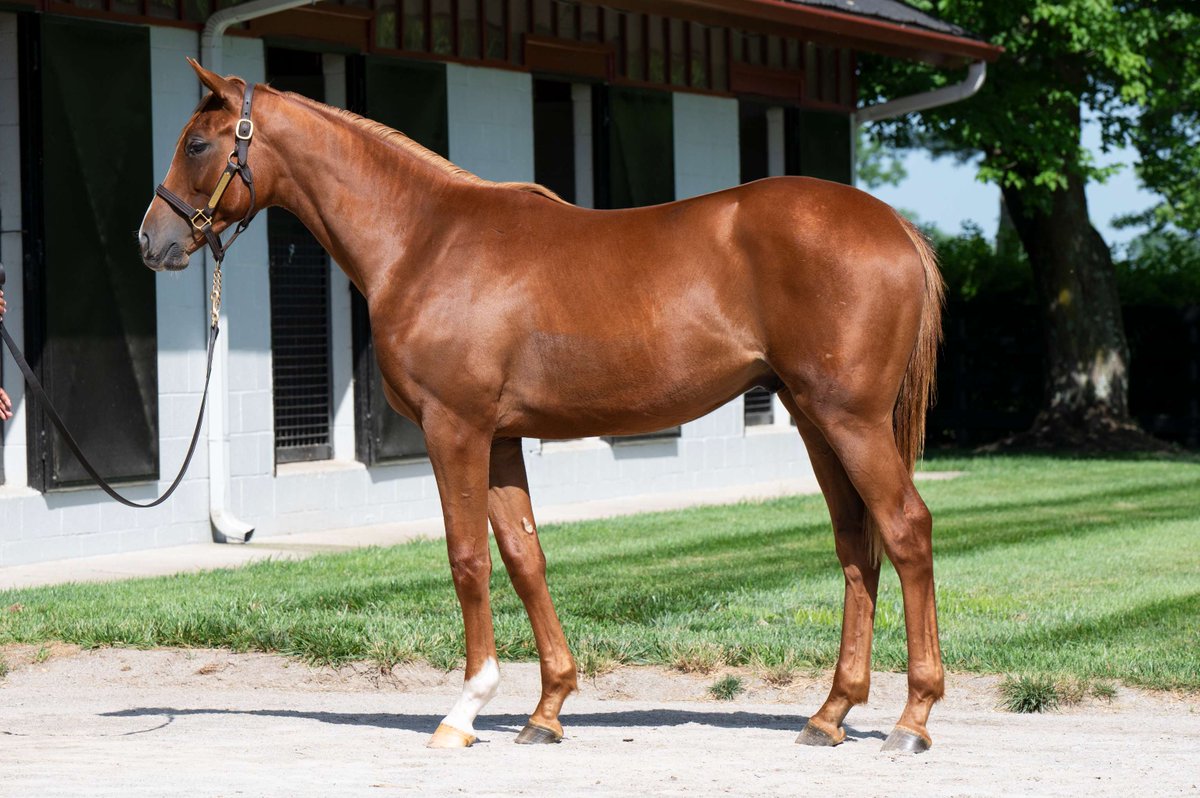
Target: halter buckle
<point x="201" y="220"/>
<point x="244" y="129"/>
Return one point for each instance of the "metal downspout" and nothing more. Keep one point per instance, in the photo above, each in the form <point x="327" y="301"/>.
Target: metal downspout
<point x="212" y="45"/>
<point x="968" y="87"/>
<point x="226" y="527"/>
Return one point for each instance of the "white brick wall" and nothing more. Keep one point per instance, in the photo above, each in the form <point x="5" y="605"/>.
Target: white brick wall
<point x="182" y="314"/>
<point x="491" y="121"/>
<point x="247" y="320"/>
<point x="706" y="144"/>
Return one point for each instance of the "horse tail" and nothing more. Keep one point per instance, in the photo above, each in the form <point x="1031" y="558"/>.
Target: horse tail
<point x="918" y="388"/>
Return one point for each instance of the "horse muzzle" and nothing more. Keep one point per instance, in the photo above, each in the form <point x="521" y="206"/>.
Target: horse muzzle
<point x="171" y="258"/>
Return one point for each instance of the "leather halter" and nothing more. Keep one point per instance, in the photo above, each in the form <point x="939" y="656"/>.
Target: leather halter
<point x="201" y="219"/>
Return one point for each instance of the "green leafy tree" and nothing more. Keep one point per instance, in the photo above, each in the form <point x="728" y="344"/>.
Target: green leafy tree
<point x="1135" y="68"/>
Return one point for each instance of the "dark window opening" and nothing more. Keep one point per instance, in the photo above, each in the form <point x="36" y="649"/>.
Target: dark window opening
<point x="300" y="351"/>
<point x="634" y="153"/>
<point x="752" y="140"/>
<point x="758" y="408"/>
<point x="301" y="365"/>
<point x="554" y="137"/>
<point x="817" y="144"/>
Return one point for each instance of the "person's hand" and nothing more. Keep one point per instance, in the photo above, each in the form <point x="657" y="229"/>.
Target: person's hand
<point x="5" y="406"/>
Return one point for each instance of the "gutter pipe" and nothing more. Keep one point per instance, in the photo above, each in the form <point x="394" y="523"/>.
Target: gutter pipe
<point x="968" y="87"/>
<point x="946" y="95"/>
<point x="212" y="46"/>
<point x="226" y="527"/>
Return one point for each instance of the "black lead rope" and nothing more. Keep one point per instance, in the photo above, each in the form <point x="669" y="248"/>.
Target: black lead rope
<point x="51" y="413"/>
<point x="202" y="222"/>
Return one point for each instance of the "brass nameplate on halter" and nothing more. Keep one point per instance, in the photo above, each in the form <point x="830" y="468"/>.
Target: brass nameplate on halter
<point x="219" y="191"/>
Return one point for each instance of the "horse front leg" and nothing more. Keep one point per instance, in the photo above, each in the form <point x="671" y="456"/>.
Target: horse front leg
<point x="511" y="514"/>
<point x="460" y="455"/>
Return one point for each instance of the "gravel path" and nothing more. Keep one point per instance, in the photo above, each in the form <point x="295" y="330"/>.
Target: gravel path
<point x="211" y="723"/>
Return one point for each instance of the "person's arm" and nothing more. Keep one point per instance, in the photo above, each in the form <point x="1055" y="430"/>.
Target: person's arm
<point x="5" y="402"/>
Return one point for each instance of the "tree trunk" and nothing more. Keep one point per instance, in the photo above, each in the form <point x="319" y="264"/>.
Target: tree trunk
<point x="1087" y="375"/>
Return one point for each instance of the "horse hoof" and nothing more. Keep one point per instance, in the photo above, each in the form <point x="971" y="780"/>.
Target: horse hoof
<point x="815" y="735"/>
<point x="904" y="741"/>
<point x="450" y="737"/>
<point x="538" y="735"/>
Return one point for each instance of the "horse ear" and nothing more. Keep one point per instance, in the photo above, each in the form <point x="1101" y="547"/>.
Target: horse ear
<point x="218" y="85"/>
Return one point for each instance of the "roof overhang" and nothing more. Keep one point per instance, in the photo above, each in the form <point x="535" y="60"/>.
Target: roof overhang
<point x="825" y="26"/>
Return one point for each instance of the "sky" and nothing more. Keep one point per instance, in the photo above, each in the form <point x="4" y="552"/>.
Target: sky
<point x="946" y="193"/>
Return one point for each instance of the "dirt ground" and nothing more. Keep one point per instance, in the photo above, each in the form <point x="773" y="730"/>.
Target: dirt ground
<point x="212" y="723"/>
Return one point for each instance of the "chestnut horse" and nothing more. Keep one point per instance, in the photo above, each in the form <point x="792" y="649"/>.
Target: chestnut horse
<point x="500" y="311"/>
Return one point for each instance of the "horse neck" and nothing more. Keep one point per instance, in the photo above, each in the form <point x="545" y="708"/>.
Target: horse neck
<point x="358" y="194"/>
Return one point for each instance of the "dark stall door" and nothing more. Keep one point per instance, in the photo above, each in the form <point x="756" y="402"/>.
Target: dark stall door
<point x="91" y="303"/>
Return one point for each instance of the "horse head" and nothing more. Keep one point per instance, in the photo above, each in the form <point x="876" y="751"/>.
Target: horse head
<point x="204" y="156"/>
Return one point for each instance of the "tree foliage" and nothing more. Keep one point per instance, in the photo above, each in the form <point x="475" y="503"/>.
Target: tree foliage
<point x="975" y="267"/>
<point x="1160" y="267"/>
<point x="1133" y="66"/>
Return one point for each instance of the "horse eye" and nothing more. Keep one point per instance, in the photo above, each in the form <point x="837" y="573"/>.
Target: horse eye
<point x="196" y="146"/>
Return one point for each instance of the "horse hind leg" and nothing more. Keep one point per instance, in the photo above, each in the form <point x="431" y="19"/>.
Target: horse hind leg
<point x="867" y="450"/>
<point x="852" y="676"/>
<point x="511" y="513"/>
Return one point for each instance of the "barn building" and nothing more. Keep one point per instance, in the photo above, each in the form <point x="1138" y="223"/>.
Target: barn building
<point x="617" y="104"/>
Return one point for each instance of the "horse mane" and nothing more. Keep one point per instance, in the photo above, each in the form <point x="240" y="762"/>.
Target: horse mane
<point x="423" y="154"/>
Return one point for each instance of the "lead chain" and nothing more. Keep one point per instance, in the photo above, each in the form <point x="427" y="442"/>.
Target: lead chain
<point x="215" y="296"/>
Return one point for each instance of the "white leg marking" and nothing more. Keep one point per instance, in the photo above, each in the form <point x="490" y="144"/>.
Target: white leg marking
<point x="477" y="691"/>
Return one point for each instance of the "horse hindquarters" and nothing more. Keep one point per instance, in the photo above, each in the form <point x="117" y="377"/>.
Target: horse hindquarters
<point x="874" y="424"/>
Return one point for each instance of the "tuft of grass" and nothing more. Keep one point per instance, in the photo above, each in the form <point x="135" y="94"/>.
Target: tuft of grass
<point x="42" y="655"/>
<point x="777" y="674"/>
<point x="387" y="654"/>
<point x="1072" y="690"/>
<point x="1042" y="693"/>
<point x="594" y="658"/>
<point x="702" y="658"/>
<point x="1029" y="694"/>
<point x="4" y="669"/>
<point x="727" y="688"/>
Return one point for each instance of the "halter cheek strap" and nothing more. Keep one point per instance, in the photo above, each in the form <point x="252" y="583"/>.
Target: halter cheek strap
<point x="201" y="219"/>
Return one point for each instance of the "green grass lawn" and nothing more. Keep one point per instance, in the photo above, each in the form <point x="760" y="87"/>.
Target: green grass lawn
<point x="1081" y="568"/>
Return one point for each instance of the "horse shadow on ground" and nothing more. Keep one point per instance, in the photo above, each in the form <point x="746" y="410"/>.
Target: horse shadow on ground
<point x="425" y="723"/>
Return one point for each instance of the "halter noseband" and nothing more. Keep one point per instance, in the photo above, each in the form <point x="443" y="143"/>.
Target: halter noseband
<point x="201" y="219"/>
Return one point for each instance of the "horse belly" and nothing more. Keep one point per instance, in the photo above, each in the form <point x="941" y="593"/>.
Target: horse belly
<point x="571" y="386"/>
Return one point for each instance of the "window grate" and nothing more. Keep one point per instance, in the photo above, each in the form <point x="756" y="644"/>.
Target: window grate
<point x="300" y="353"/>
<point x="759" y="409"/>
